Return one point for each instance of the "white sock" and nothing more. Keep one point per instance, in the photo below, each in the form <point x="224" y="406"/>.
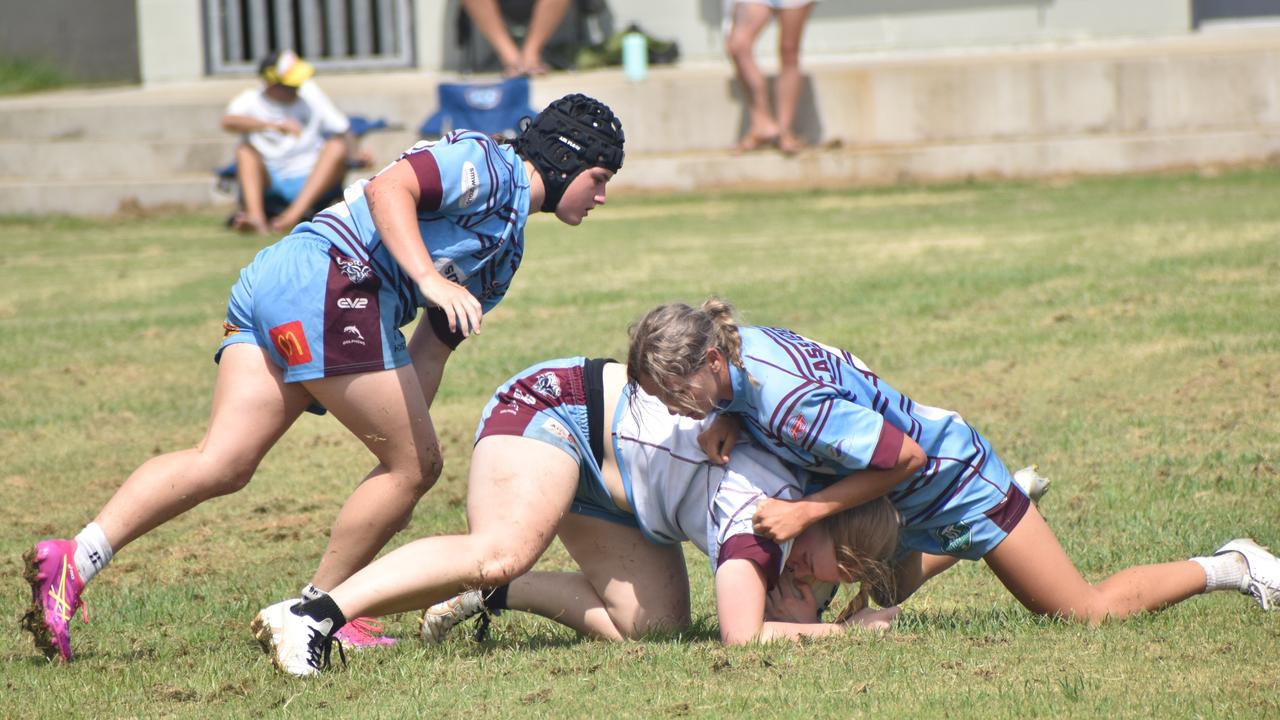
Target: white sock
<point x="1227" y="571"/>
<point x="311" y="592"/>
<point x="93" y="552"/>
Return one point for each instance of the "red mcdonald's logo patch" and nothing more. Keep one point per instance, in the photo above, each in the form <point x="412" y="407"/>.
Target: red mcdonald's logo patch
<point x="291" y="342"/>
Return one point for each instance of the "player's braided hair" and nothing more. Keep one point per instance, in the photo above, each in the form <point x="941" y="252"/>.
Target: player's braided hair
<point x="669" y="344"/>
<point x="572" y="134"/>
<point x="866" y="538"/>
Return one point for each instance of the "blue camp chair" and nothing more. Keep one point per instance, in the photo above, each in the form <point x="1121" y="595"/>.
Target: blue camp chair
<point x="495" y="108"/>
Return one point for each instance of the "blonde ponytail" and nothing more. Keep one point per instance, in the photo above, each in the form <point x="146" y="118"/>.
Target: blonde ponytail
<point x="670" y="343"/>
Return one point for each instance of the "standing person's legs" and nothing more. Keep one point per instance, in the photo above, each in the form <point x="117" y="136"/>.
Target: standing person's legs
<point x="1033" y="566"/>
<point x="487" y="17"/>
<point x="791" y="23"/>
<point x="628" y="586"/>
<point x="251" y="173"/>
<point x="388" y="412"/>
<point x="252" y="407"/>
<point x="330" y="169"/>
<point x="749" y="20"/>
<point x="546" y="17"/>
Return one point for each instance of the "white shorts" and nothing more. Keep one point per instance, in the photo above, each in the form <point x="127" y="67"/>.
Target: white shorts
<point x="779" y="4"/>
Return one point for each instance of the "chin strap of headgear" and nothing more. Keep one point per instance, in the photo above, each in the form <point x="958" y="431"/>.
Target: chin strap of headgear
<point x="574" y="133"/>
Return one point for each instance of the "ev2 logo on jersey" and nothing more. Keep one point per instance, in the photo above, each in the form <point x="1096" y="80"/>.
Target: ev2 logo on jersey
<point x="353" y="303"/>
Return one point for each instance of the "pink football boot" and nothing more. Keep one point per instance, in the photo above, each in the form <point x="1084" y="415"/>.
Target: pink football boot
<point x="55" y="596"/>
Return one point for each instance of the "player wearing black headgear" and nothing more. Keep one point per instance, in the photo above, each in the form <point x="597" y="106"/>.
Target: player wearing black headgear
<point x="574" y="133"/>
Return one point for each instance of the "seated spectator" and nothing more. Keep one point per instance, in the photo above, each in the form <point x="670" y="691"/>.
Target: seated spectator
<point x="293" y="160"/>
<point x="526" y="59"/>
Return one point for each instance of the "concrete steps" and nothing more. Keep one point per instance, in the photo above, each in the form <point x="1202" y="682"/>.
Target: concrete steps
<point x="102" y="196"/>
<point x="1114" y="108"/>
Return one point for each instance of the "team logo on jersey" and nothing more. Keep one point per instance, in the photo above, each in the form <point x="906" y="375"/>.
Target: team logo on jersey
<point x="797" y="428"/>
<point x="956" y="537"/>
<point x="353" y="303"/>
<point x="229" y="329"/>
<point x="291" y="342"/>
<point x="470" y="185"/>
<point x="356" y="271"/>
<point x="547" y="384"/>
<point x="352" y="336"/>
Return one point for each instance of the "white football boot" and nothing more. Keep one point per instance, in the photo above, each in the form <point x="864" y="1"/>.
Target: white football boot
<point x="1032" y="483"/>
<point x="297" y="644"/>
<point x="1262" y="578"/>
<point x="440" y="618"/>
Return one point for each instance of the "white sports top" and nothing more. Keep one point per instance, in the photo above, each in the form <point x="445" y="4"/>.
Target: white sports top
<point x="677" y="494"/>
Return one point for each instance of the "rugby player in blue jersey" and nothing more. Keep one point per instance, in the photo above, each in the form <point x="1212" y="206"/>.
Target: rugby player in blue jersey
<point x="314" y="323"/>
<point x="822" y="409"/>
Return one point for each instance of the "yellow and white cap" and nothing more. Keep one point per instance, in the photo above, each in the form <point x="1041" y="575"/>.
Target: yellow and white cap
<point x="285" y="68"/>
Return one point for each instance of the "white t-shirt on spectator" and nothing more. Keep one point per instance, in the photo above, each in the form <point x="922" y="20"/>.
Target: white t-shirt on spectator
<point x="290" y="156"/>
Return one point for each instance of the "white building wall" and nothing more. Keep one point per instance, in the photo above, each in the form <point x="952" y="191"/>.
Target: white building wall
<point x="171" y="36"/>
<point x="170" y="41"/>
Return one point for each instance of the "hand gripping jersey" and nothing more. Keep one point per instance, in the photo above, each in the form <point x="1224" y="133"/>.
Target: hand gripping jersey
<point x="678" y="495"/>
<point x="473" y="209"/>
<point x="823" y="409"/>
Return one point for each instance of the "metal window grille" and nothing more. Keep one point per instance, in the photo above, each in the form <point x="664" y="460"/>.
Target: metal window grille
<point x="331" y="34"/>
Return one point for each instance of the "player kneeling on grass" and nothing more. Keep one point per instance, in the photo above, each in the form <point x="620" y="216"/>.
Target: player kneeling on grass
<point x="314" y="324"/>
<point x="541" y="467"/>
<point x="663" y="485"/>
<point x="823" y="410"/>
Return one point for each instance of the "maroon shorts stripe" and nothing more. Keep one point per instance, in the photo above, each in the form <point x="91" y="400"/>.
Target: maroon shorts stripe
<point x="352" y="318"/>
<point x="1009" y="512"/>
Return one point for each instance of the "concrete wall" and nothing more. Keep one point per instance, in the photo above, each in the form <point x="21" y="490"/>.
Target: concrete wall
<point x="170" y="40"/>
<point x="844" y="27"/>
<point x="88" y="41"/>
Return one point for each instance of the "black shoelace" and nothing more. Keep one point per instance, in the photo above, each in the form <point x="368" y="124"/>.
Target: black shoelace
<point x="482" y="626"/>
<point x="319" y="649"/>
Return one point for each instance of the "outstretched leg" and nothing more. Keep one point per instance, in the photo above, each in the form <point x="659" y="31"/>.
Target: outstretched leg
<point x="518" y="491"/>
<point x="1035" y="568"/>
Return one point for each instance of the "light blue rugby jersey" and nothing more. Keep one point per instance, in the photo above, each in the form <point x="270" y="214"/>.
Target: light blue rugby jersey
<point x="475" y="203"/>
<point x="822" y="409"/>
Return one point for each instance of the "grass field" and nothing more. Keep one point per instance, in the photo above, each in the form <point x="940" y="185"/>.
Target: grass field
<point x="1123" y="334"/>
